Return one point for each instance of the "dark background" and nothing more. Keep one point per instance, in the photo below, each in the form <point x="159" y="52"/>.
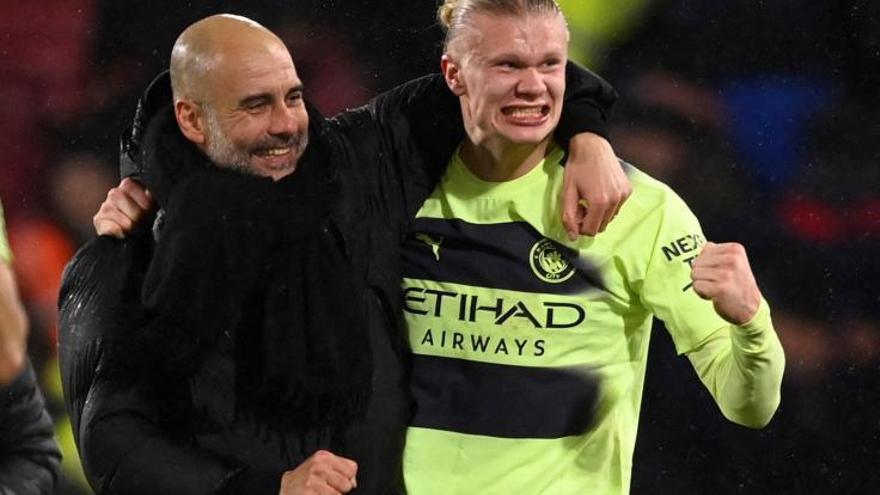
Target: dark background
<point x="763" y="115"/>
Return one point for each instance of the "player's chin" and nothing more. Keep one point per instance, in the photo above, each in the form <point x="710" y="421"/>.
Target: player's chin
<point x="529" y="137"/>
<point x="528" y="134"/>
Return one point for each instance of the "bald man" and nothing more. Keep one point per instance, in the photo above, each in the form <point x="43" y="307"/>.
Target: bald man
<point x="255" y="347"/>
<point x="231" y="118"/>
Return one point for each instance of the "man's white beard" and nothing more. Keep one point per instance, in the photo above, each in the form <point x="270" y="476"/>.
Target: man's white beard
<point x="223" y="151"/>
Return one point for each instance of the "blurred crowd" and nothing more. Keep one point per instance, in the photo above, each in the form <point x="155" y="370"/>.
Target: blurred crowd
<point x="762" y="114"/>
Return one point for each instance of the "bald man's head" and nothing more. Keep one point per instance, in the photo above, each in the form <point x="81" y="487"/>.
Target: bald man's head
<point x="204" y="45"/>
<point x="237" y="95"/>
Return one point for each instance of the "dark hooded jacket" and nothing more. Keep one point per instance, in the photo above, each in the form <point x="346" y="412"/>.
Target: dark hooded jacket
<point x="29" y="456"/>
<point x="184" y="367"/>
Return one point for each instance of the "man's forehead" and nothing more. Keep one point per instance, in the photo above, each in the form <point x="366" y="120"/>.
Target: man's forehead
<point x="532" y="34"/>
<point x="243" y="73"/>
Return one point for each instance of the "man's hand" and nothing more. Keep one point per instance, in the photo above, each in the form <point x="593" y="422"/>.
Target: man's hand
<point x="594" y="188"/>
<point x="721" y="274"/>
<point x="126" y="205"/>
<point x="323" y="473"/>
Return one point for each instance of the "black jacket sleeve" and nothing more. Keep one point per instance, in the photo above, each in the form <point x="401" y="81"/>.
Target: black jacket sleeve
<point x="123" y="439"/>
<point x="29" y="456"/>
<point x="589" y="101"/>
<point x="103" y="274"/>
<point x="127" y="450"/>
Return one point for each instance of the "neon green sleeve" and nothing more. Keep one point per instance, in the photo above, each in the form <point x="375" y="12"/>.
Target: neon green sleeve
<point x="742" y="368"/>
<point x="668" y="289"/>
<point x="740" y="365"/>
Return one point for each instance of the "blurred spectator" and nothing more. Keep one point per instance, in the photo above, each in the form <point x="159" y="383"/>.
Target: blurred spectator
<point x="46" y="235"/>
<point x="29" y="456"/>
<point x="46" y="238"/>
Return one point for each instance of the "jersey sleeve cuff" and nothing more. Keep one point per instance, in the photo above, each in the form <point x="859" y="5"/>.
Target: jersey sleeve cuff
<point x="752" y="336"/>
<point x="761" y="321"/>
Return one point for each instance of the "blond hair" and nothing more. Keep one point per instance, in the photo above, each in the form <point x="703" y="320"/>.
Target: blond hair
<point x="454" y="14"/>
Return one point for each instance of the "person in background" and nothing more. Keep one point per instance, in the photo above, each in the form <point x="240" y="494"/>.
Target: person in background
<point x="29" y="456"/>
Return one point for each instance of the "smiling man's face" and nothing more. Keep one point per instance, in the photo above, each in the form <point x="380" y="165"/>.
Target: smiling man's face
<point x="255" y="117"/>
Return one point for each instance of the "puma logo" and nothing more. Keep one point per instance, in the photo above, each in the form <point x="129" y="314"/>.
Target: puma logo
<point x="435" y="245"/>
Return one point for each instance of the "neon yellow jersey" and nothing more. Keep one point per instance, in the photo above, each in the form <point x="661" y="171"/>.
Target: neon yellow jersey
<point x="5" y="252"/>
<point x="530" y="349"/>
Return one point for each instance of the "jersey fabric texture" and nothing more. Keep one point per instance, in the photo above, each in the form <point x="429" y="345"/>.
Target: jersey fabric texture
<point x="530" y="349"/>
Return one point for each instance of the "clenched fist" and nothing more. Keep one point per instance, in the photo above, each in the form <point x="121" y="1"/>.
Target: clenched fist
<point x="324" y="473"/>
<point x="721" y="274"/>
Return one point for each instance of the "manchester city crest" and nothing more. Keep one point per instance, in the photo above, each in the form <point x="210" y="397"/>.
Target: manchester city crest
<point x="548" y="263"/>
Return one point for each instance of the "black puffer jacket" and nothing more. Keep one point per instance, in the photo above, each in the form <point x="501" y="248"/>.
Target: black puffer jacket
<point x="29" y="456"/>
<point x="183" y="434"/>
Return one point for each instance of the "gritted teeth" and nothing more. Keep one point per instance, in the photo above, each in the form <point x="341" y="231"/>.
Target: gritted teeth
<point x="526" y="112"/>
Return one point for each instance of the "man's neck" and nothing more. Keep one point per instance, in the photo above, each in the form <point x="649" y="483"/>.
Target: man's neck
<point x="502" y="163"/>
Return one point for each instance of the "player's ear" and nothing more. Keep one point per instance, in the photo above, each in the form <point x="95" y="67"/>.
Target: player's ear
<point x="452" y="74"/>
<point x="190" y="119"/>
